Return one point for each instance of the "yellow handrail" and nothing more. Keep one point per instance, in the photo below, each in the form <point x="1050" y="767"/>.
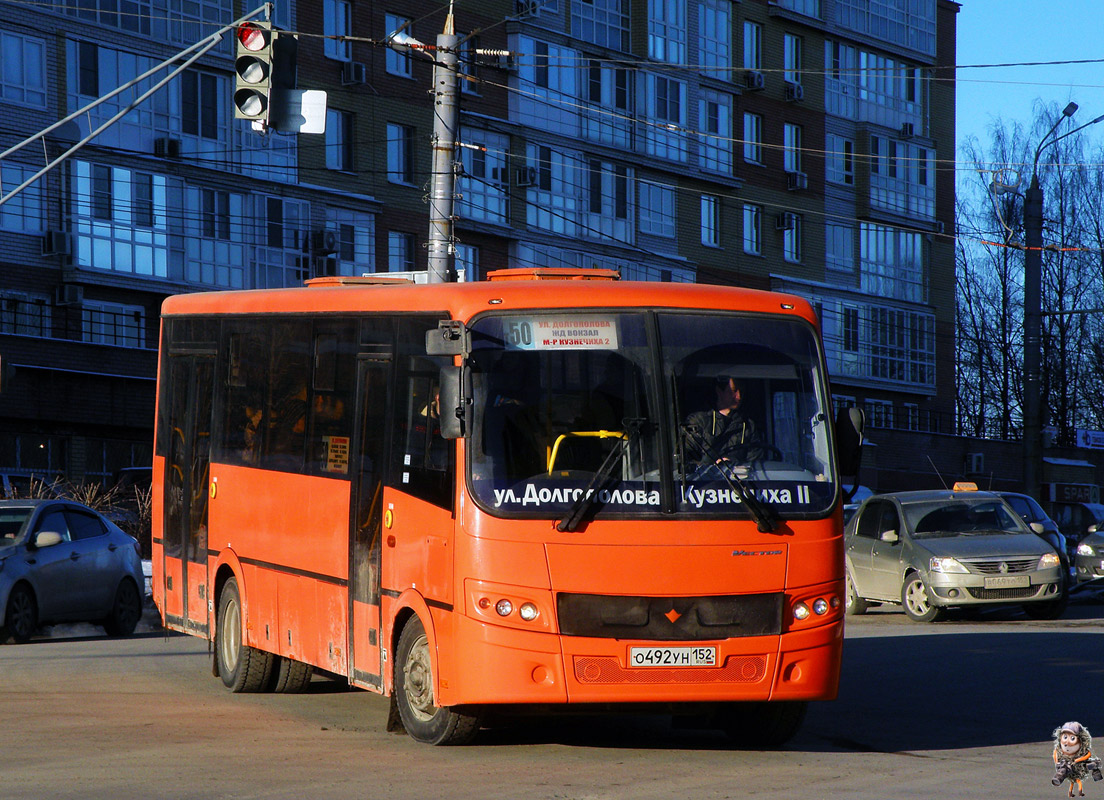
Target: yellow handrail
<point x="592" y="434"/>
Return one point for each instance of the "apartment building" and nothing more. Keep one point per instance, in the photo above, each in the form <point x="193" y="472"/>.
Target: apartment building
<point x="793" y="145"/>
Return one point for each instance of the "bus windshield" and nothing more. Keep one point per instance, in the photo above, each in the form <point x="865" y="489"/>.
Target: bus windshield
<point x="649" y="413"/>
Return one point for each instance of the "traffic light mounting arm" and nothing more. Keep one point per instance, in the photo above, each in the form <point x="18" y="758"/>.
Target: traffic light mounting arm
<point x="196" y="50"/>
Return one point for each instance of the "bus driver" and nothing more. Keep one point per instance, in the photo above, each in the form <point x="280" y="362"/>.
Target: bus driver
<point x="724" y="433"/>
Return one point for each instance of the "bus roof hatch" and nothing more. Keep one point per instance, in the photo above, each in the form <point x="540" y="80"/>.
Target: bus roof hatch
<point x="363" y="280"/>
<point x="553" y="274"/>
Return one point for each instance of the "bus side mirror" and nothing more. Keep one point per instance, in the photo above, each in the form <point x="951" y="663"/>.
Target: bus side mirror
<point x="455" y="402"/>
<point x="450" y="338"/>
<point x="849" y="438"/>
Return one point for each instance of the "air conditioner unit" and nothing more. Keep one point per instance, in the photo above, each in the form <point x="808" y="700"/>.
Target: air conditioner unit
<point x="797" y="180"/>
<point x="908" y="130"/>
<point x="754" y="80"/>
<point x="939" y="226"/>
<point x="353" y="72"/>
<point x="795" y="91"/>
<point x="69" y="294"/>
<point x="975" y="463"/>
<point x="527" y="8"/>
<point x="323" y="242"/>
<point x="166" y="147"/>
<point x="56" y="243"/>
<point x="785" y="221"/>
<point x="324" y="268"/>
<point x="504" y="61"/>
<point x="526" y="176"/>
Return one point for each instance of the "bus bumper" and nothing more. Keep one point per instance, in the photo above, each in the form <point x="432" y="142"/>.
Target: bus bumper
<point x="500" y="665"/>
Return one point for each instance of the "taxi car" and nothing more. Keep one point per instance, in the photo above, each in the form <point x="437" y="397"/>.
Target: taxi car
<point x="938" y="549"/>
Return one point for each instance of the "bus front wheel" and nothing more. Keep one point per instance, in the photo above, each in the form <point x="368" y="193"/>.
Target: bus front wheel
<point x="241" y="667"/>
<point x="423" y="719"/>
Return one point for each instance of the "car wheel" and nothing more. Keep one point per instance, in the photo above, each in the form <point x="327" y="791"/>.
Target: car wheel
<point x="126" y="612"/>
<point x="423" y="719"/>
<point x="917" y="601"/>
<point x="763" y="724"/>
<point x="241" y="667"/>
<point x="853" y="604"/>
<point x="21" y="617"/>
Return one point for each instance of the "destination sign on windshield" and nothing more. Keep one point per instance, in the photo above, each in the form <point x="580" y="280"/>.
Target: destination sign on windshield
<point x="575" y="332"/>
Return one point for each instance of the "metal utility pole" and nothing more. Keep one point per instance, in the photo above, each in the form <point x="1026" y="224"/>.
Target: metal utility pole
<point x="1033" y="312"/>
<point x="1033" y="269"/>
<point x="441" y="265"/>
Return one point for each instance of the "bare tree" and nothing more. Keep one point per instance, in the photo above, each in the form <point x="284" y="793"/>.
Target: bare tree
<point x="990" y="289"/>
<point x="990" y="263"/>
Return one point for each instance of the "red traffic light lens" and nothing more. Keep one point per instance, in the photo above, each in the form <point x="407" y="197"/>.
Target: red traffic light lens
<point x="252" y="37"/>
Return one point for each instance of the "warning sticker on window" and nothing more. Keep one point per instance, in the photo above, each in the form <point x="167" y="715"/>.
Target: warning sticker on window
<point x="337" y="453"/>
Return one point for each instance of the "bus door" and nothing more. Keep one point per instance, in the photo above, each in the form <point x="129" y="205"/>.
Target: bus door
<point x="187" y="472"/>
<point x="373" y="404"/>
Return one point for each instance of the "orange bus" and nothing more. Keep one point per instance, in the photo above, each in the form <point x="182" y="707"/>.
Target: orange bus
<point x="479" y="497"/>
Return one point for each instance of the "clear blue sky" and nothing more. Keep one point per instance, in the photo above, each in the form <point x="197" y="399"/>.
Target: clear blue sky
<point x="1018" y="31"/>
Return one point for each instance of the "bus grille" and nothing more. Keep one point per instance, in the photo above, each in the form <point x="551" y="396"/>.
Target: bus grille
<point x="607" y="669"/>
<point x="670" y="619"/>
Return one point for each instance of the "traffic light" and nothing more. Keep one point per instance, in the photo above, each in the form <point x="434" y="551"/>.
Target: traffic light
<point x="264" y="69"/>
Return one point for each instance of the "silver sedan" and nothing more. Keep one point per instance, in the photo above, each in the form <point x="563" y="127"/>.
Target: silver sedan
<point x="931" y="550"/>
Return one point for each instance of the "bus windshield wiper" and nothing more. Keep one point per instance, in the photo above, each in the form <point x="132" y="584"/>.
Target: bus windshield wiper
<point x="589" y="496"/>
<point x="762" y="516"/>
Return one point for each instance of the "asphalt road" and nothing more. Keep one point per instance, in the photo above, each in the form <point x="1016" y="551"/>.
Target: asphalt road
<point x="958" y="709"/>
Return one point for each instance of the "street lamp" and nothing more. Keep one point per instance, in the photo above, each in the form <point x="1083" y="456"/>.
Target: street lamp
<point x="1033" y="268"/>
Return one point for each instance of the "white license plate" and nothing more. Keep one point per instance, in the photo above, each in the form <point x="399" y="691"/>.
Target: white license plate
<point x="1007" y="582"/>
<point x="672" y="656"/>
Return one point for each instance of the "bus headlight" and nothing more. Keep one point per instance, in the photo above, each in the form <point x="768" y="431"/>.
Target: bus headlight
<point x="1085" y="550"/>
<point x="528" y="612"/>
<point x="525" y="608"/>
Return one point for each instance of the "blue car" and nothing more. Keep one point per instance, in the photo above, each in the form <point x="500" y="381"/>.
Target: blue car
<point x="60" y="561"/>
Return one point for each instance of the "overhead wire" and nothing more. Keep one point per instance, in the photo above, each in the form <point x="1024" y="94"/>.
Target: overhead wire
<point x="686" y="130"/>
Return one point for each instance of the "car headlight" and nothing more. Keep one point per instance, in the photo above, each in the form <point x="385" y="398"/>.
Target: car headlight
<point x="1085" y="550"/>
<point x="1049" y="560"/>
<point x="946" y="564"/>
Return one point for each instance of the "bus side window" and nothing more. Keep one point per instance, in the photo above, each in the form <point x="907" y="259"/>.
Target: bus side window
<point x="243" y="417"/>
<point x="286" y="435"/>
<point x="424" y="458"/>
<point x="331" y="400"/>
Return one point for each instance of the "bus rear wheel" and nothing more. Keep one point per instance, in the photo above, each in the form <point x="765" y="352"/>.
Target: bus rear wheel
<point x="423" y="719"/>
<point x="290" y="676"/>
<point x="241" y="667"/>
